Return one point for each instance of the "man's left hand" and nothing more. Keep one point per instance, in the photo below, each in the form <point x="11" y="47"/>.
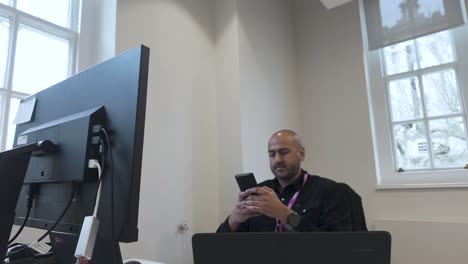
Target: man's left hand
<point x="266" y="202"/>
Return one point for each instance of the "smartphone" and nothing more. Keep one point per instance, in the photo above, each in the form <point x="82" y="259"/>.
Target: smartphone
<point x="246" y="181"/>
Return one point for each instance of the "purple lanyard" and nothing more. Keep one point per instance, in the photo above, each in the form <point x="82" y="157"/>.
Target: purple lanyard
<point x="279" y="227"/>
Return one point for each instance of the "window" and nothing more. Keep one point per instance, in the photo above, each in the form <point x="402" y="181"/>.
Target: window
<point x="425" y="103"/>
<point x="37" y="49"/>
<point x="417" y="87"/>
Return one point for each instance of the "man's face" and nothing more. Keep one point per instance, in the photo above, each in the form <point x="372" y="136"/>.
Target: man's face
<point x="285" y="156"/>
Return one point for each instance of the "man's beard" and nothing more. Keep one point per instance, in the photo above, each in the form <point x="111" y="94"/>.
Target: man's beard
<point x="285" y="173"/>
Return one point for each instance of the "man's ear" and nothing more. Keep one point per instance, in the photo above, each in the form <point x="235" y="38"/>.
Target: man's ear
<point x="302" y="153"/>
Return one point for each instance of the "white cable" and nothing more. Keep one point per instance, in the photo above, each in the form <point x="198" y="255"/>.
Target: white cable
<point x="85" y="246"/>
<point x="102" y="153"/>
<point x="95" y="164"/>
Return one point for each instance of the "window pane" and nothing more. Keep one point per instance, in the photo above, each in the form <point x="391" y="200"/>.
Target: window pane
<point x="411" y="146"/>
<point x="405" y="98"/>
<point x="5" y="2"/>
<point x="435" y="49"/>
<point x="448" y="142"/>
<point x="14" y="103"/>
<point x="4" y="39"/>
<point x="55" y="11"/>
<point x="41" y="61"/>
<point x="400" y="58"/>
<point x="430" y="8"/>
<point x="441" y="93"/>
<point x="391" y="12"/>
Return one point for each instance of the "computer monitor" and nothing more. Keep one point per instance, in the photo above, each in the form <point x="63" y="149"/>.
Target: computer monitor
<point x="372" y="247"/>
<point x="73" y="114"/>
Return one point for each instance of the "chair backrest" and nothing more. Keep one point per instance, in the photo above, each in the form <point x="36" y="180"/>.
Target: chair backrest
<point x="357" y="211"/>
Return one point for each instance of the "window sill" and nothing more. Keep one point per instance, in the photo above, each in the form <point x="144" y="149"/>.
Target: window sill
<point x="450" y="178"/>
<point x="421" y="186"/>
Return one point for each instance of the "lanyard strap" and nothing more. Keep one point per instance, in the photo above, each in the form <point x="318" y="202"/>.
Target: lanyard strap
<point x="279" y="227"/>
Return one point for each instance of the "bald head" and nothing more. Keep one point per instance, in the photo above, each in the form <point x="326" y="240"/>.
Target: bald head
<point x="286" y="154"/>
<point x="290" y="135"/>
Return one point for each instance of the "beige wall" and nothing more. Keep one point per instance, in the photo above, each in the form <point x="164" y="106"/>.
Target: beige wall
<point x="333" y="95"/>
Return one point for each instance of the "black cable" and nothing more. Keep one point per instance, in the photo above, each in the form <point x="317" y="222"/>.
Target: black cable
<point x="32" y="192"/>
<point x="50" y="229"/>
<point x="21" y="227"/>
<point x="62" y="215"/>
<point x="112" y="191"/>
<point x="102" y="151"/>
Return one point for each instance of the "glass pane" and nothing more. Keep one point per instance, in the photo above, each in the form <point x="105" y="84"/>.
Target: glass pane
<point x="405" y="99"/>
<point x="391" y="13"/>
<point x="400" y="57"/>
<point x="55" y="11"/>
<point x="14" y="103"/>
<point x="5" y="2"/>
<point x="448" y="142"/>
<point x="441" y="93"/>
<point x="41" y="61"/>
<point x="435" y="49"/>
<point x="430" y="8"/>
<point x="4" y="39"/>
<point x="411" y="146"/>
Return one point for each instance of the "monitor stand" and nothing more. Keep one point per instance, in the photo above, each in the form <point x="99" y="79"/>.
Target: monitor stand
<point x="64" y="245"/>
<point x="13" y="166"/>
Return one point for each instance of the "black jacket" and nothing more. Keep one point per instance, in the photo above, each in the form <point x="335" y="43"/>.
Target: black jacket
<point x="323" y="204"/>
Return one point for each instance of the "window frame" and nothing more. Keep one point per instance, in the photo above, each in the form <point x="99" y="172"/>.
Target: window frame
<point x="17" y="17"/>
<point x="381" y="123"/>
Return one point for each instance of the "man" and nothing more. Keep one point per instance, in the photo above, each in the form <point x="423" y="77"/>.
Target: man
<point x="294" y="200"/>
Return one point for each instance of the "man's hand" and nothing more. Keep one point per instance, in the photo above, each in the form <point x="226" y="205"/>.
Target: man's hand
<point x="266" y="202"/>
<point x="240" y="213"/>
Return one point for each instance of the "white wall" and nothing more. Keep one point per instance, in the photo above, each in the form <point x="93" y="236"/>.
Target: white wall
<point x="97" y="32"/>
<point x="333" y="94"/>
<point x="256" y="86"/>
<point x="179" y="174"/>
<point x="426" y="242"/>
<point x="267" y="78"/>
<point x="336" y="122"/>
<point x="228" y="101"/>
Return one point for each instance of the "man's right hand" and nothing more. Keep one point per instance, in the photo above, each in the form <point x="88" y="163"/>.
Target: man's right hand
<point x="240" y="213"/>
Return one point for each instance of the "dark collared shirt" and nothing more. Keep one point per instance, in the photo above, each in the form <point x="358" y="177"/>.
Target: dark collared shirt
<point x="321" y="203"/>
